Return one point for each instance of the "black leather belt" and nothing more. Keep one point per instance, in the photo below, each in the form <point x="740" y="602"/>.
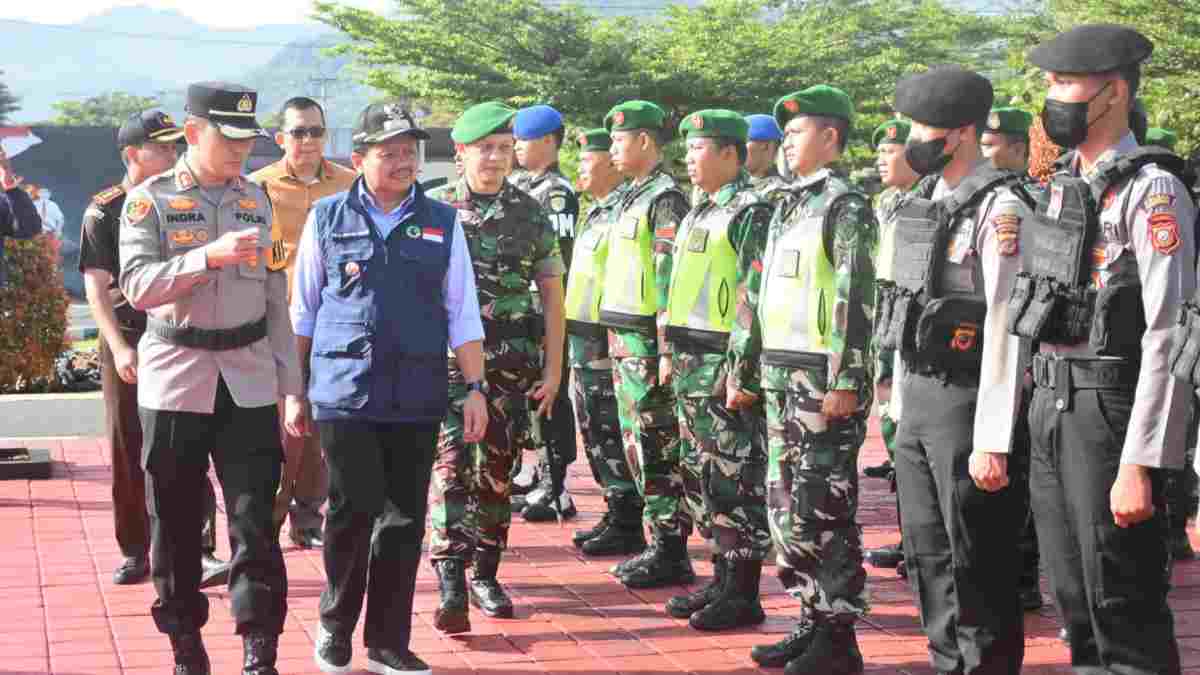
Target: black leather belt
<point x="210" y="339"/>
<point x="1067" y="375"/>
<point x="787" y="359"/>
<point x="587" y="330"/>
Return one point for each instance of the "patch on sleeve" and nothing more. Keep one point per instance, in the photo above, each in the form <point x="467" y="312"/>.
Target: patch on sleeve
<point x="136" y="209"/>
<point x="1008" y="231"/>
<point x="558" y="202"/>
<point x="109" y="194"/>
<point x="1164" y="232"/>
<point x="667" y="232"/>
<point x="1158" y="201"/>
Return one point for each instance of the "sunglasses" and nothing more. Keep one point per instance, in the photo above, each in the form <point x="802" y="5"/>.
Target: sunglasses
<point x="301" y="133"/>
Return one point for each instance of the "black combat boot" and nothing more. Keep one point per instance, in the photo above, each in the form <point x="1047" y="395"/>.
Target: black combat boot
<point x="683" y="606"/>
<point x="486" y="593"/>
<point x="258" y="654"/>
<point x="624" y="534"/>
<point x="539" y="503"/>
<point x="834" y="651"/>
<point x="580" y="536"/>
<point x="190" y="655"/>
<point x="668" y="566"/>
<point x="738" y="603"/>
<point x="451" y="615"/>
<point x="791" y="647"/>
<point x="886" y="557"/>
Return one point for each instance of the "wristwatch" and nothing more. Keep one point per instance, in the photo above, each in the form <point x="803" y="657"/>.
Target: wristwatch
<point x="480" y="386"/>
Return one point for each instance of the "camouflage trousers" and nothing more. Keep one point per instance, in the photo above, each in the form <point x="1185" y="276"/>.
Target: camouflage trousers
<point x="812" y="482"/>
<point x="469" y="503"/>
<point x="722" y="460"/>
<point x="595" y="405"/>
<point x="646" y="411"/>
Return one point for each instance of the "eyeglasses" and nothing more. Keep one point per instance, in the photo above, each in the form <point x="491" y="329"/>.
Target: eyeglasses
<point x="301" y="133"/>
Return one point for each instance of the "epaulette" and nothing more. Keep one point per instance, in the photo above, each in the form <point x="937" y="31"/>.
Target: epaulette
<point x="108" y="195"/>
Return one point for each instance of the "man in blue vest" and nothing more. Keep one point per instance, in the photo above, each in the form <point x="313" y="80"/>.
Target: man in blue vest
<point x="383" y="283"/>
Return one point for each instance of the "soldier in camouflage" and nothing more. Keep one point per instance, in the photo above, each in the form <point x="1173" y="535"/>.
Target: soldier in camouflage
<point x="762" y="147"/>
<point x="718" y="255"/>
<point x="512" y="244"/>
<point x="592" y="394"/>
<point x="539" y="132"/>
<point x="815" y="312"/>
<point x="633" y="306"/>
<point x="899" y="180"/>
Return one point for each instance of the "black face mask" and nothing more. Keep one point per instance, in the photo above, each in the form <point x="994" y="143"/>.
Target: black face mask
<point x="1067" y="123"/>
<point x="927" y="157"/>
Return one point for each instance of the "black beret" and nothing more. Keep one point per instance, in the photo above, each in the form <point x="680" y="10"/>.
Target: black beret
<point x="1092" y="48"/>
<point x="946" y="97"/>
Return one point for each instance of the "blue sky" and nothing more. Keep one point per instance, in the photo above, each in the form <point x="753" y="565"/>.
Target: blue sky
<point x="218" y="13"/>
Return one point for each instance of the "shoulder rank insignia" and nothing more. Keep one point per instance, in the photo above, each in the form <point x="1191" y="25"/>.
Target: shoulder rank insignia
<point x="108" y="195"/>
<point x="279" y="255"/>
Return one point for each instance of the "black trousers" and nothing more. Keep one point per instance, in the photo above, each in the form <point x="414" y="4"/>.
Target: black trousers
<point x="960" y="542"/>
<point x="123" y="429"/>
<point x="244" y="444"/>
<point x="378" y="495"/>
<point x="1110" y="583"/>
<point x="559" y="431"/>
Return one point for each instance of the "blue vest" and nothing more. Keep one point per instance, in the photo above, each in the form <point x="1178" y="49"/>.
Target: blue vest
<point x="379" y="344"/>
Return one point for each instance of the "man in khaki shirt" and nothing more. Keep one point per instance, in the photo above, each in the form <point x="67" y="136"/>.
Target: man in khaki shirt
<point x="294" y="183"/>
<point x="217" y="356"/>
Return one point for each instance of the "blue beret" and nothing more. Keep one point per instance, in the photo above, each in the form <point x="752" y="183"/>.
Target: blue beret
<point x="536" y="121"/>
<point x="764" y="128"/>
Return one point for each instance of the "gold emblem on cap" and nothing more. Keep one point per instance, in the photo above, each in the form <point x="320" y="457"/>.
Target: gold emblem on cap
<point x="619" y="117"/>
<point x="891" y="132"/>
<point x="791" y="105"/>
<point x="994" y="121"/>
<point x="245" y="105"/>
<point x="166" y="120"/>
<point x="697" y="122"/>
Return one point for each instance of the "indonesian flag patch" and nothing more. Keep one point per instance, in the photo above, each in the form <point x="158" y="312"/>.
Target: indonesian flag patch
<point x="1164" y="232"/>
<point x="434" y="234"/>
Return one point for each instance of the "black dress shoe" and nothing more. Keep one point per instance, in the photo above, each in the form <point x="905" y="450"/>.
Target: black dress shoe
<point x="880" y="471"/>
<point x="214" y="571"/>
<point x="258" y="654"/>
<point x="190" y="656"/>
<point x="133" y="570"/>
<point x="333" y="651"/>
<point x="395" y="662"/>
<point x="309" y="537"/>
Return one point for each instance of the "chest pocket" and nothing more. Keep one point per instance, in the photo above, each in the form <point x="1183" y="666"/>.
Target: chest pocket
<point x="590" y="240"/>
<point x="256" y="268"/>
<point x="349" y="259"/>
<point x="514" y="255"/>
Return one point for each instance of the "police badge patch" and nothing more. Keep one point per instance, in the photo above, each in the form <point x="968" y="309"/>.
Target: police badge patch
<point x="1164" y="233"/>
<point x="137" y="209"/>
<point x="558" y="203"/>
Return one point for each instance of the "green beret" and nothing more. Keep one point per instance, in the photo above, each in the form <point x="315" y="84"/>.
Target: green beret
<point x="481" y="120"/>
<point x="894" y="132"/>
<point x="1161" y="137"/>
<point x="594" y="140"/>
<point x="714" y="124"/>
<point x="1009" y="121"/>
<point x="635" y="115"/>
<point x="820" y="99"/>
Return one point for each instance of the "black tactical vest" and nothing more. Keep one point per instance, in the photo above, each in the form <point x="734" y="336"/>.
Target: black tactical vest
<point x="933" y="311"/>
<point x="1054" y="298"/>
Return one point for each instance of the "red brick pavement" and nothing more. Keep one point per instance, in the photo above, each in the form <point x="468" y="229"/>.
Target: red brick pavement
<point x="62" y="614"/>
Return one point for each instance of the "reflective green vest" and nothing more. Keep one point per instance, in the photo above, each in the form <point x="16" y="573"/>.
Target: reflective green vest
<point x="704" y="269"/>
<point x="796" y="304"/>
<point x="587" y="266"/>
<point x="630" y="298"/>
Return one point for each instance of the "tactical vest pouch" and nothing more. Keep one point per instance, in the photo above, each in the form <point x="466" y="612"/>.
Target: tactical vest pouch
<point x="885" y="301"/>
<point x="902" y="326"/>
<point x="949" y="333"/>
<point x="1118" y="321"/>
<point x="1185" y="350"/>
<point x="1046" y="310"/>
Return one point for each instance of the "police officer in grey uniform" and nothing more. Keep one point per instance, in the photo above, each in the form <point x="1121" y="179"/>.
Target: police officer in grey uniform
<point x="954" y="261"/>
<point x="539" y="131"/>
<point x="216" y="357"/>
<point x="1106" y="263"/>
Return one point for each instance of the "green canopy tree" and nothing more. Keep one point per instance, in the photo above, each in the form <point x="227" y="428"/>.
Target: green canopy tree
<point x="109" y="109"/>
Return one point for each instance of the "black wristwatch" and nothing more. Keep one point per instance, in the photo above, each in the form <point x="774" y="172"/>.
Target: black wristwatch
<point x="480" y="386"/>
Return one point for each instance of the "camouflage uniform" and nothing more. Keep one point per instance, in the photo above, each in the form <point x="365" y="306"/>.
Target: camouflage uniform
<point x="511" y="243"/>
<point x="723" y="461"/>
<point x="812" y="473"/>
<point x="646" y="409"/>
<point x="592" y="394"/>
<point x="770" y="187"/>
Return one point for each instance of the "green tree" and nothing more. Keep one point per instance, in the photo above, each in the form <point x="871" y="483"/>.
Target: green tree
<point x="739" y="54"/>
<point x="9" y="103"/>
<point x="105" y="110"/>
